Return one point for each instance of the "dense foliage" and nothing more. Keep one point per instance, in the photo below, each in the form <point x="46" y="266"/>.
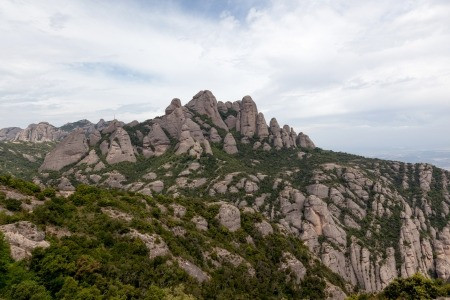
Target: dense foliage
<point x="98" y="259"/>
<point x="414" y="287"/>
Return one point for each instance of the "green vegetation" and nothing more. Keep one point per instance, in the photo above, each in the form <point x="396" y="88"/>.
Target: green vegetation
<point x="14" y="161"/>
<point x="412" y="288"/>
<point x="100" y="260"/>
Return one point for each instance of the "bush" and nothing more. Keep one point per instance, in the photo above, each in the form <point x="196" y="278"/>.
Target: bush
<point x="12" y="204"/>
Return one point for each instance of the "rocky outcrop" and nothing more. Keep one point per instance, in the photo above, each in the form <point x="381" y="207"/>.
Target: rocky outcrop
<point x="264" y="228"/>
<point x="214" y="136"/>
<point x="204" y="103"/>
<point x="120" y="148"/>
<point x="38" y="133"/>
<point x="91" y="159"/>
<point x="158" y="140"/>
<point x="304" y="141"/>
<point x="69" y="151"/>
<point x="200" y="223"/>
<point x="174" y="104"/>
<point x="229" y="217"/>
<point x="293" y="266"/>
<point x="23" y="237"/>
<point x="262" y="130"/>
<point x="193" y="270"/>
<point x="9" y="134"/>
<point x="154" y="243"/>
<point x="247" y="116"/>
<point x="229" y="144"/>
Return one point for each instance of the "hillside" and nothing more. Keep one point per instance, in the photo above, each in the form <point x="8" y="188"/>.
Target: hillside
<point x="103" y="244"/>
<point x="367" y="220"/>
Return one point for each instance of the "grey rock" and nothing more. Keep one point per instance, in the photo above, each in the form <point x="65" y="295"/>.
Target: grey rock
<point x="9" y="134"/>
<point x="264" y="228"/>
<point x="91" y="159"/>
<point x="69" y="151"/>
<point x="193" y="270"/>
<point x="120" y="148"/>
<point x="214" y="135"/>
<point x="154" y="243"/>
<point x="94" y="138"/>
<point x="159" y="140"/>
<point x="174" y="104"/>
<point x="248" y="114"/>
<point x="200" y="223"/>
<point x="304" y="141"/>
<point x="262" y="130"/>
<point x="38" y="133"/>
<point x="291" y="264"/>
<point x="229" y="217"/>
<point x="229" y="144"/>
<point x="205" y="103"/>
<point x="65" y="185"/>
<point x="318" y="190"/>
<point x="23" y="237"/>
<point x="230" y="121"/>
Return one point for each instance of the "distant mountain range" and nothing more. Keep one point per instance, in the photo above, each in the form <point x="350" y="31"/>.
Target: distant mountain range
<point x="368" y="220"/>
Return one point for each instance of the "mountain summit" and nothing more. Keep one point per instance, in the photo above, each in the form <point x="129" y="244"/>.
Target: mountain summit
<point x="368" y="220"/>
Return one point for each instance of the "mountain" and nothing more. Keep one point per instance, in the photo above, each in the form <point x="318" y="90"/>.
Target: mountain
<point x="368" y="220"/>
<point x="111" y="244"/>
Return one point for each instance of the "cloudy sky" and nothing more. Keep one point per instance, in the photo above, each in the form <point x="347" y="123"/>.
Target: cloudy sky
<point x="355" y="75"/>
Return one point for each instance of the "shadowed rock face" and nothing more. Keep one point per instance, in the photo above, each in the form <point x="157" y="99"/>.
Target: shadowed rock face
<point x="204" y="103"/>
<point x="120" y="148"/>
<point x="69" y="151"/>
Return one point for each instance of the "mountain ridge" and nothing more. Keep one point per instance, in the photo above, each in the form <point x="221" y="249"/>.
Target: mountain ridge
<point x="368" y="220"/>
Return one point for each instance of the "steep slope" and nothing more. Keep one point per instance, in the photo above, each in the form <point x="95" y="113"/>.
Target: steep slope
<point x="104" y="243"/>
<point x="368" y="220"/>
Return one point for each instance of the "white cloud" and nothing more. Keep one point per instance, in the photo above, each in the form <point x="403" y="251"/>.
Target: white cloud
<point x="323" y="66"/>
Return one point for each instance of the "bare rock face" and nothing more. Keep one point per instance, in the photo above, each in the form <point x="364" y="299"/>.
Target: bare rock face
<point x="176" y="103"/>
<point x="248" y="115"/>
<point x="231" y="121"/>
<point x="275" y="132"/>
<point x="120" y="148"/>
<point x="65" y="185"/>
<point x="229" y="217"/>
<point x="193" y="270"/>
<point x="320" y="222"/>
<point x="264" y="228"/>
<point x="154" y="243"/>
<point x="186" y="141"/>
<point x="159" y="140"/>
<point x="200" y="223"/>
<point x="204" y="103"/>
<point x="318" y="190"/>
<point x="9" y="134"/>
<point x="91" y="159"/>
<point x="262" y="130"/>
<point x="229" y="144"/>
<point x="94" y="138"/>
<point x="42" y="132"/>
<point x="293" y="266"/>
<point x="214" y="136"/>
<point x="304" y="141"/>
<point x="334" y="292"/>
<point x="23" y="238"/>
<point x="173" y="122"/>
<point x="69" y="151"/>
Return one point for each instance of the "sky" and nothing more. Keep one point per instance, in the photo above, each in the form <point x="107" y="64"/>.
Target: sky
<point x="355" y="75"/>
